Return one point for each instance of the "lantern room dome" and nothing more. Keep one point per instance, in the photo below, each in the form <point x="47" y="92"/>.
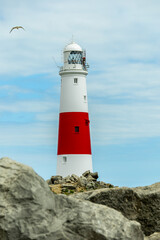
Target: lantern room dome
<point x="72" y="47"/>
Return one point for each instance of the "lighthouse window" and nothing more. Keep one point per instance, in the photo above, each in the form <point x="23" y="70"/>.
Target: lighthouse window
<point x="85" y="98"/>
<point x="75" y="80"/>
<point x="64" y="159"/>
<point x="87" y="122"/>
<point x="75" y="57"/>
<point x="76" y="128"/>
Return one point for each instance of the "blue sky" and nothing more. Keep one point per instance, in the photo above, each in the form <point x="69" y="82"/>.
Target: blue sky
<point x="122" y="41"/>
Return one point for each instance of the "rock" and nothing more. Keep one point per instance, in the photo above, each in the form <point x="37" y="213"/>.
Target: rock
<point x="82" y="181"/>
<point x="94" y="175"/>
<point x="30" y="211"/>
<point x="105" y="185"/>
<point x="88" y="181"/>
<point x="68" y="186"/>
<point x="75" y="177"/>
<point x="56" y="188"/>
<point x="86" y="173"/>
<point x="90" y="178"/>
<point x="55" y="179"/>
<point x="67" y="179"/>
<point x="48" y="181"/>
<point x="90" y="185"/>
<point x="154" y="236"/>
<point x="72" y="180"/>
<point x="141" y="204"/>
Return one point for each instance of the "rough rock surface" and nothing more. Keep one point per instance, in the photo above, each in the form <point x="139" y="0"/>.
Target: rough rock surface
<point x="141" y="204"/>
<point x="30" y="211"/>
<point x="88" y="181"/>
<point x="154" y="236"/>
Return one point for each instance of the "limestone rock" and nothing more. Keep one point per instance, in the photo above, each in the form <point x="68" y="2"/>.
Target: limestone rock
<point x="105" y="185"/>
<point x="82" y="181"/>
<point x="154" y="236"/>
<point x="88" y="181"/>
<point x="67" y="179"/>
<point x="94" y="175"/>
<point x="86" y="173"/>
<point x="69" y="186"/>
<point x="90" y="185"/>
<point x="30" y="211"/>
<point x="90" y="178"/>
<point x="141" y="204"/>
<point x="75" y="177"/>
<point x="56" y="179"/>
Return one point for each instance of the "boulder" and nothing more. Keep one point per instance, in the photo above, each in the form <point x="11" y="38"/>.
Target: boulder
<point x="94" y="175"/>
<point x="90" y="185"/>
<point x="82" y="181"/>
<point x="86" y="173"/>
<point x="55" y="179"/>
<point x="105" y="185"/>
<point x="141" y="204"/>
<point x="69" y="186"/>
<point x="88" y="181"/>
<point x="67" y="179"/>
<point x="30" y="211"/>
<point x="75" y="177"/>
<point x="154" y="236"/>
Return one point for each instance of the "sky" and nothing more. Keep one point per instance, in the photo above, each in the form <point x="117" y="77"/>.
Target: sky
<point x="122" y="42"/>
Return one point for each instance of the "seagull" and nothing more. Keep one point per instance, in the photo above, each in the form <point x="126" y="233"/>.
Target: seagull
<point x="17" y="27"/>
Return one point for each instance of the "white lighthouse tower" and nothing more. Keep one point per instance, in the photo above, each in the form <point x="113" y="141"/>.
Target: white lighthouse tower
<point x="74" y="145"/>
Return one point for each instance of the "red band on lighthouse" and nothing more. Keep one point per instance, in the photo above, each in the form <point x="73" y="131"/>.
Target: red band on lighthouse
<point x="74" y="133"/>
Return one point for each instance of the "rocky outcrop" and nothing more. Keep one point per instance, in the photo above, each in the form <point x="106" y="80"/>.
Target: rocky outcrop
<point x="73" y="183"/>
<point x="30" y="211"/>
<point x="141" y="204"/>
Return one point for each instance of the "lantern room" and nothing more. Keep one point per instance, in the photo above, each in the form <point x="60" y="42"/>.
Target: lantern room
<point x="74" y="57"/>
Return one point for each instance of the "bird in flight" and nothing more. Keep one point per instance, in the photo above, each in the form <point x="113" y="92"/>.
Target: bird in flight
<point x="17" y="27"/>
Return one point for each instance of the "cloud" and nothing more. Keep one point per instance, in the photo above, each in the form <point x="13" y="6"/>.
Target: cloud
<point x="47" y="117"/>
<point x="13" y="90"/>
<point x="27" y="106"/>
<point x="33" y="134"/>
<point x="115" y="123"/>
<point x="50" y="25"/>
<point x="139" y="82"/>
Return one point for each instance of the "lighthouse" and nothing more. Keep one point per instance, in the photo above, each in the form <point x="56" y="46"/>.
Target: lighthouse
<point x="74" y="144"/>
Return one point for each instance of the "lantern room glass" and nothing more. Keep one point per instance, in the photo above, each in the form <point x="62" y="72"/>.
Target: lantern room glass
<point x="75" y="57"/>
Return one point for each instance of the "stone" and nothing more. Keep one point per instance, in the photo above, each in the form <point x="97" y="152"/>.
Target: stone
<point x="90" y="178"/>
<point x="105" y="185"/>
<point x="56" y="188"/>
<point x="154" y="236"/>
<point x="67" y="179"/>
<point x="56" y="182"/>
<point x="82" y="181"/>
<point x="90" y="185"/>
<point x="72" y="180"/>
<point x="61" y="181"/>
<point x="86" y="182"/>
<point x="141" y="204"/>
<point x="86" y="173"/>
<point x="94" y="175"/>
<point x="30" y="211"/>
<point x="68" y="186"/>
<point x="75" y="177"/>
<point x="48" y="181"/>
<point x="55" y="179"/>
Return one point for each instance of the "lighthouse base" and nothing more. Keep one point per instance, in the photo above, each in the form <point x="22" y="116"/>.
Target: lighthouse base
<point x="73" y="164"/>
